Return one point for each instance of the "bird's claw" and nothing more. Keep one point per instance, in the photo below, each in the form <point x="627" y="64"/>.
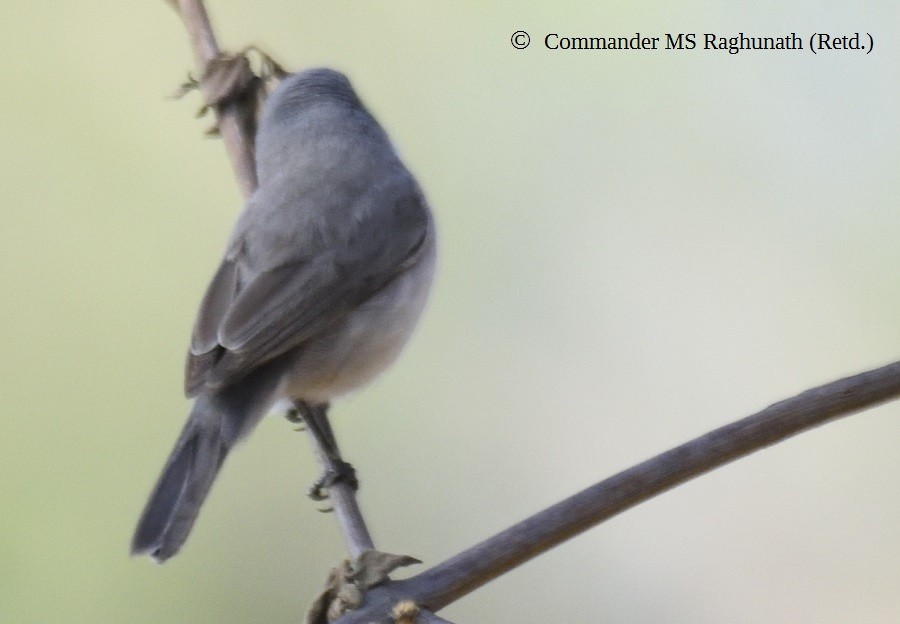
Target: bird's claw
<point x="339" y="471"/>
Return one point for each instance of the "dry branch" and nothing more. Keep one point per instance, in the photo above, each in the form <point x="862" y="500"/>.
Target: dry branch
<point x="448" y="581"/>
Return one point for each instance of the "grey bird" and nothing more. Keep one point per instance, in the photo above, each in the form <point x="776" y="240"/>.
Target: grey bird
<point x="324" y="278"/>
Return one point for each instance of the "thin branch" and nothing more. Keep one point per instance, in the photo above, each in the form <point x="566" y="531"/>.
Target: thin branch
<point x="238" y="142"/>
<point x="341" y="495"/>
<point x="350" y="519"/>
<point x="448" y="581"/>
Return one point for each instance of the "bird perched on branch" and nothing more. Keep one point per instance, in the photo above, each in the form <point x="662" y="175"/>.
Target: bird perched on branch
<point x="324" y="278"/>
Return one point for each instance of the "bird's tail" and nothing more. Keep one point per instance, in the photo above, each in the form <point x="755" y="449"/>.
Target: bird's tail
<point x="185" y="481"/>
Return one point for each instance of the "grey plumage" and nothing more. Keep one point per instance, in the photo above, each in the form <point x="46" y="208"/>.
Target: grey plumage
<point x="324" y="277"/>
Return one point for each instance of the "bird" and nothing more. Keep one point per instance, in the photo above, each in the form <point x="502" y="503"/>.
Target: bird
<point x="324" y="277"/>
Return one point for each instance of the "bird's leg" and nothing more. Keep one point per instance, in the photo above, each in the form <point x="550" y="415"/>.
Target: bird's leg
<point x="315" y="418"/>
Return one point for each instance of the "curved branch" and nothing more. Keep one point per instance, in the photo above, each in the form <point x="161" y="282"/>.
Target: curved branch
<point x="446" y="582"/>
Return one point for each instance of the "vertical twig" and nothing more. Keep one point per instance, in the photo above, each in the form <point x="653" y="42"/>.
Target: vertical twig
<point x="238" y="143"/>
<point x="341" y="494"/>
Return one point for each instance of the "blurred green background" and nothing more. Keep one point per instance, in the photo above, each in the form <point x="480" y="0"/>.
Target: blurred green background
<point x="635" y="248"/>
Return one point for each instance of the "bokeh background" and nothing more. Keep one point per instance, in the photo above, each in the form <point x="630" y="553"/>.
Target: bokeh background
<point x="636" y="247"/>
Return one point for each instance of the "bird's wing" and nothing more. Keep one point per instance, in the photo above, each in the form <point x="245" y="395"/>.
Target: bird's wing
<point x="240" y="327"/>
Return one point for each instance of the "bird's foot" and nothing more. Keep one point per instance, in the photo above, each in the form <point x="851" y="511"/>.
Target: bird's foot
<point x="294" y="417"/>
<point x="338" y="471"/>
